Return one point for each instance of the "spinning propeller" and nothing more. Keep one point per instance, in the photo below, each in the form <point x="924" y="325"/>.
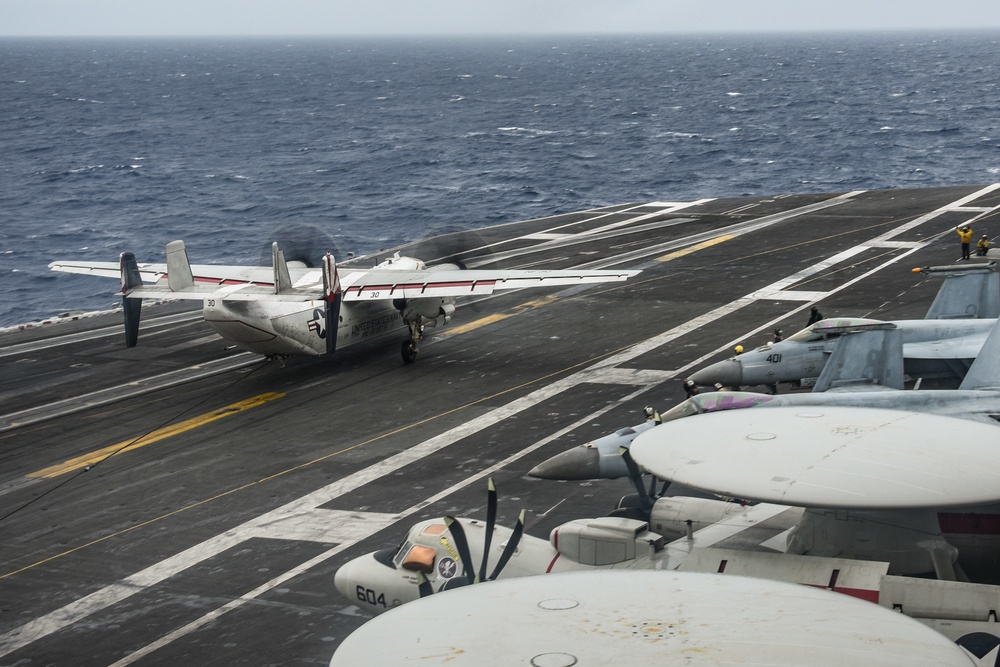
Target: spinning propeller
<point x="301" y="243"/>
<point x="469" y="576"/>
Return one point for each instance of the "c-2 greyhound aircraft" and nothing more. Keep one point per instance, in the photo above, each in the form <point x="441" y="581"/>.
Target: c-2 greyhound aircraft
<point x="942" y="345"/>
<point x="291" y="309"/>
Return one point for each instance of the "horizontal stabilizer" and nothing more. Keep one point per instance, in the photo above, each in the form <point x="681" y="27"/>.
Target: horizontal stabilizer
<point x="179" y="275"/>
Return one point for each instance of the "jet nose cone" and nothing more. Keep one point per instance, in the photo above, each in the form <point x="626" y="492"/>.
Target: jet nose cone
<point x="578" y="463"/>
<point x="728" y="373"/>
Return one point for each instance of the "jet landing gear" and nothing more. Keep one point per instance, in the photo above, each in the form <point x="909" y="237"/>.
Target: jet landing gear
<point x="409" y="349"/>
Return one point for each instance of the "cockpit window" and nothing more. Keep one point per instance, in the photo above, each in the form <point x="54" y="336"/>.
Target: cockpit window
<point x="730" y="400"/>
<point x="807" y="335"/>
<point x="419" y="559"/>
<point x="821" y="329"/>
<point x="683" y="409"/>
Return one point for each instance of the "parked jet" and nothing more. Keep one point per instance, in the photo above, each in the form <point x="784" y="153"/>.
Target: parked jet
<point x="289" y="309"/>
<point x="940" y="346"/>
<point x="862" y="370"/>
<point x="644" y="618"/>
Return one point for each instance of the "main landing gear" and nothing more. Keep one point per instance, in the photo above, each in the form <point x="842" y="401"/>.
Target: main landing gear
<point x="280" y="358"/>
<point x="409" y="349"/>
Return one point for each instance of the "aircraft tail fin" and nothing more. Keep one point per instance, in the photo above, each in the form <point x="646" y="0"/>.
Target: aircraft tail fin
<point x="985" y="370"/>
<point x="282" y="279"/>
<point x="179" y="274"/>
<point x="863" y="359"/>
<point x="132" y="307"/>
<point x="968" y="291"/>
<point x="332" y="295"/>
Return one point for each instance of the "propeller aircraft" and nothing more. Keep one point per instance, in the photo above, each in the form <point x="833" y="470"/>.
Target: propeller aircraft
<point x="603" y="618"/>
<point x="441" y="555"/>
<point x="292" y="309"/>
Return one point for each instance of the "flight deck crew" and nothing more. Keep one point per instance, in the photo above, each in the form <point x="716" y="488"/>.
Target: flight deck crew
<point x="777" y="336"/>
<point x="983" y="246"/>
<point x="965" y="236"/>
<point x="814" y="316"/>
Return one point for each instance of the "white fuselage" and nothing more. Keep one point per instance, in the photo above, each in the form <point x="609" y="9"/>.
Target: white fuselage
<point x="294" y="327"/>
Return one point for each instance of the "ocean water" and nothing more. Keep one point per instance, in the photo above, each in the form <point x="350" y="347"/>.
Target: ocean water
<point x="120" y="145"/>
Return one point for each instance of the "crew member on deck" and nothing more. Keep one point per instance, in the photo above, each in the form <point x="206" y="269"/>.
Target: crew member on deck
<point x="814" y="316"/>
<point x="777" y="336"/>
<point x="965" y="236"/>
<point x="983" y="246"/>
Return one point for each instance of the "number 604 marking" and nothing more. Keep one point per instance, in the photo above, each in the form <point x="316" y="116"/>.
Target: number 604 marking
<point x="369" y="596"/>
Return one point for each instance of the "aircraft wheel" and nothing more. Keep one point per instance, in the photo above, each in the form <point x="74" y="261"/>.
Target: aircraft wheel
<point x="409" y="351"/>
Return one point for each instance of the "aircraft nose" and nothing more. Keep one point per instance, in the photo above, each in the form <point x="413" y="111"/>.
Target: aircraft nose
<point x="349" y="575"/>
<point x="728" y="373"/>
<point x="581" y="462"/>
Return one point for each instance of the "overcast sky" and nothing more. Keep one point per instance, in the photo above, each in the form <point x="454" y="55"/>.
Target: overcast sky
<point x="450" y="17"/>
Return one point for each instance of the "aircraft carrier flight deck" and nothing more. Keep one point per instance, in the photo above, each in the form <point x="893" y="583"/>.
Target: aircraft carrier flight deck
<point x="181" y="502"/>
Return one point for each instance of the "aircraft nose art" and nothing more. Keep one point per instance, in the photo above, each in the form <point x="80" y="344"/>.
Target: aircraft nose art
<point x="831" y="457"/>
<point x="728" y="373"/>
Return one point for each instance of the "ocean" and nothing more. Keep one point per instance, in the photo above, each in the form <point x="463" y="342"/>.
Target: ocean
<point x="114" y="145"/>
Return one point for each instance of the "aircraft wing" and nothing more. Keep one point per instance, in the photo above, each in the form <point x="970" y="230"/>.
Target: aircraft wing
<point x="256" y="283"/>
<point x="151" y="272"/>
<point x="379" y="284"/>
<point x="828" y="457"/>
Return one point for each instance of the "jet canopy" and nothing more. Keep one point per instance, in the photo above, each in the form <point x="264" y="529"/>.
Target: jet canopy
<point x="714" y="402"/>
<point x="834" y="327"/>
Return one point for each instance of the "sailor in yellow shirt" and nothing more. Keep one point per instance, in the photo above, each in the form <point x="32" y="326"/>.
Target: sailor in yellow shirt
<point x="965" y="236"/>
<point x="983" y="246"/>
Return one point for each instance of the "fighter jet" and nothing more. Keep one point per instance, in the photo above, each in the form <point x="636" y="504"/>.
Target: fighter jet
<point x="864" y="370"/>
<point x="942" y="345"/>
<point x="291" y="309"/>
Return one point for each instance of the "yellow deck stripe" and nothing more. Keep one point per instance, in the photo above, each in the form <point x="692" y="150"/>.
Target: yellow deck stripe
<point x="498" y="317"/>
<point x="154" y="436"/>
<point x="695" y="248"/>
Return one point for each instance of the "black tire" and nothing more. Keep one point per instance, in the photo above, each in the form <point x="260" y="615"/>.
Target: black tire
<point x="409" y="351"/>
